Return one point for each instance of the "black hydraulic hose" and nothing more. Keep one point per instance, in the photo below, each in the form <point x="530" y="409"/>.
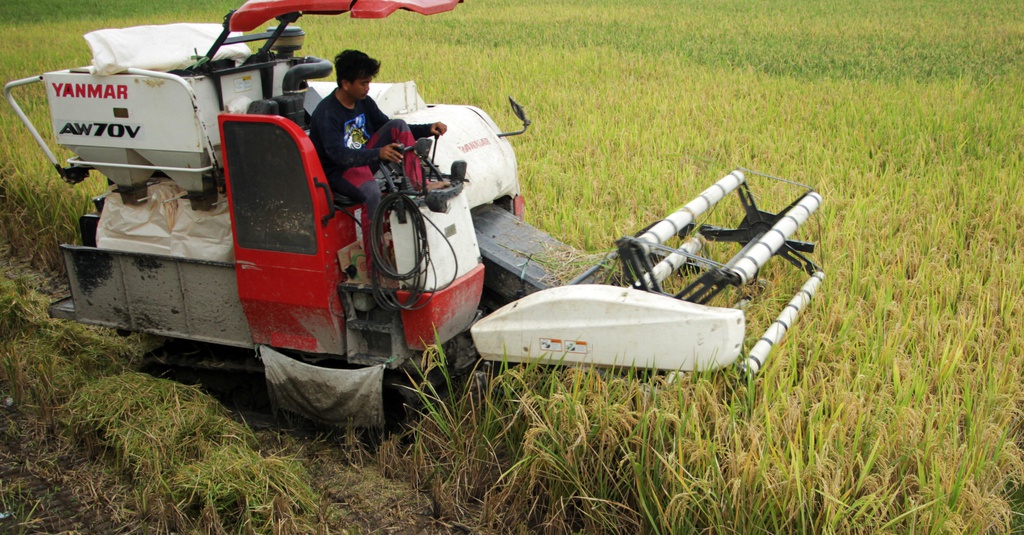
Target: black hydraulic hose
<point x="381" y="261"/>
<point x="382" y="266"/>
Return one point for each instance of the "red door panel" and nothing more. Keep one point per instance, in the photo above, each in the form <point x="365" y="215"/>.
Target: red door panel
<point x="285" y="242"/>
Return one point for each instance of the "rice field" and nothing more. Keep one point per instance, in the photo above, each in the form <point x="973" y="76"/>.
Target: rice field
<point x="893" y="406"/>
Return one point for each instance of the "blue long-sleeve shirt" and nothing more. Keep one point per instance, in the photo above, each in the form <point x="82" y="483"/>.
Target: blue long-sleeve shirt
<point x="340" y="135"/>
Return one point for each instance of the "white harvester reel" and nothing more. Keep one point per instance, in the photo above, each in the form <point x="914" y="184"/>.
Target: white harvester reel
<point x="643" y="324"/>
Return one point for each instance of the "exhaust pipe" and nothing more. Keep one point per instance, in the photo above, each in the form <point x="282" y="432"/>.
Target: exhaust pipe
<point x="308" y="68"/>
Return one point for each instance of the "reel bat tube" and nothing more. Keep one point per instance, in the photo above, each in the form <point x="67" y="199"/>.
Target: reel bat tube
<point x="759" y="353"/>
<point x="677" y="221"/>
<point x="673" y="261"/>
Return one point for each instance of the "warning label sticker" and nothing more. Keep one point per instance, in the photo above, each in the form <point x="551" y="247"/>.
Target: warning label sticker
<point x="576" y="346"/>
<point x="568" y="346"/>
<point x="243" y="84"/>
<point x="550" y="344"/>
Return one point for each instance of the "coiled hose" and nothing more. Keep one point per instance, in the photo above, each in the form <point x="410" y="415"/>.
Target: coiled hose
<point x="383" y="268"/>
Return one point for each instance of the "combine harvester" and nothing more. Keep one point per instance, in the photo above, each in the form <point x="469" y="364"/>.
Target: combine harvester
<point x="219" y="228"/>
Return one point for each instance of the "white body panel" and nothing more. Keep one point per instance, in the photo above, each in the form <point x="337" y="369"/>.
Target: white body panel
<point x="397" y="99"/>
<point x="141" y="122"/>
<point x="452" y="240"/>
<point x="472" y="136"/>
<point x="240" y="89"/>
<point x="611" y="326"/>
<point x="80" y="98"/>
<point x="138" y="120"/>
<point x="392" y="99"/>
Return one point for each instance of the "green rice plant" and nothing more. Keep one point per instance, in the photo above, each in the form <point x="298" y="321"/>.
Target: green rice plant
<point x="44" y="360"/>
<point x="166" y="436"/>
<point x="19" y="508"/>
<point x="579" y="450"/>
<point x="50" y="12"/>
<point x="150" y="426"/>
<point x="572" y="474"/>
<point x="455" y="447"/>
<point x="40" y="217"/>
<point x="20" y="308"/>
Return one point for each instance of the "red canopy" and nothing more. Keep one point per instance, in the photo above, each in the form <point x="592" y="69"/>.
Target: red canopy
<point x="254" y="13"/>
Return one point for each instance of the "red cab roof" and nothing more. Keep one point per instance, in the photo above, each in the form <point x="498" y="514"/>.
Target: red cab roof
<point x="254" y="13"/>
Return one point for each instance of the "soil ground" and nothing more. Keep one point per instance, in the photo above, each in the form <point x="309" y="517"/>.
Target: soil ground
<point x="51" y="487"/>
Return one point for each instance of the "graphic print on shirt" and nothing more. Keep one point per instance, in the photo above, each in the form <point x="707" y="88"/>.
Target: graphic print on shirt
<point x="355" y="132"/>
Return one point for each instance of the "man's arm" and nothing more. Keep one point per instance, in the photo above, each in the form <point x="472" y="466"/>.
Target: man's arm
<point x="378" y="119"/>
<point x="427" y="130"/>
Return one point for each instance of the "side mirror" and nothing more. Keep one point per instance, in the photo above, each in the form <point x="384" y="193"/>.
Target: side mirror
<point x="520" y="114"/>
<point x="519" y="111"/>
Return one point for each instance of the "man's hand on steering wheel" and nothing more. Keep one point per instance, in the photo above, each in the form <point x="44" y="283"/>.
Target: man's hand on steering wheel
<point x="391" y="153"/>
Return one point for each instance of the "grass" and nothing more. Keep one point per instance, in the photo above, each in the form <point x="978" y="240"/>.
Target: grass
<point x="52" y="12"/>
<point x="892" y="406"/>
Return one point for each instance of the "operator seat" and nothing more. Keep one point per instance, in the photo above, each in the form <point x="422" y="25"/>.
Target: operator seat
<point x="342" y="202"/>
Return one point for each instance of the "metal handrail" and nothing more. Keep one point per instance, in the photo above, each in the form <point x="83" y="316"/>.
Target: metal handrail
<point x="24" y="118"/>
<point x="75" y="160"/>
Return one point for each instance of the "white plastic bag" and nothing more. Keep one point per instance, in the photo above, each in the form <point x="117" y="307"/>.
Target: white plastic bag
<point x="157" y="48"/>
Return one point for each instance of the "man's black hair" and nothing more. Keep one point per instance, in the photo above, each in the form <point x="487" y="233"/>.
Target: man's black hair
<point x="352" y="65"/>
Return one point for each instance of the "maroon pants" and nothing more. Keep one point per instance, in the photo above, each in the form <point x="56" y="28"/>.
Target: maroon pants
<point x="359" y="184"/>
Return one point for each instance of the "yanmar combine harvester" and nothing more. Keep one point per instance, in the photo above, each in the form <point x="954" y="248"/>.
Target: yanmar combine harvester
<point x="219" y="227"/>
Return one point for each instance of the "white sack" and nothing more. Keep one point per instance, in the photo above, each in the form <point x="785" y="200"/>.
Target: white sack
<point x="157" y="48"/>
<point x="166" y="224"/>
<point x="204" y="235"/>
<point x="142" y="228"/>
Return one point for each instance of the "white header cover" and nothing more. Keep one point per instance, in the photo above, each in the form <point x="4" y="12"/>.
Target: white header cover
<point x="157" y="48"/>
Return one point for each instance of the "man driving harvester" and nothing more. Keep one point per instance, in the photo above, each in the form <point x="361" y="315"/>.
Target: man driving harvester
<point x="353" y="137"/>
